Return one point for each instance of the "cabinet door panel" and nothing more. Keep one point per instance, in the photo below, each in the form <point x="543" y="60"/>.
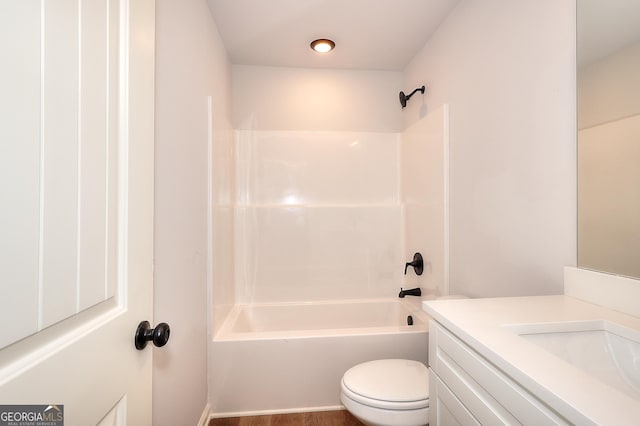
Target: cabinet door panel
<point x="487" y="392"/>
<point x="446" y="409"/>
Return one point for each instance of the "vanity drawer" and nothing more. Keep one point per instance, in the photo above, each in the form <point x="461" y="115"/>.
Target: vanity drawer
<point x="446" y="408"/>
<point x="488" y="394"/>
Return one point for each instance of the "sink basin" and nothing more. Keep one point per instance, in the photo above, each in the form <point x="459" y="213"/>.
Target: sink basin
<point x="603" y="349"/>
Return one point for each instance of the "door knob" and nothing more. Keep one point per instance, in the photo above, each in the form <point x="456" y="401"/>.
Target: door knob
<point x="159" y="335"/>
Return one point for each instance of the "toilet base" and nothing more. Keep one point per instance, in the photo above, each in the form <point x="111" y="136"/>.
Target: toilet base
<point x="372" y="416"/>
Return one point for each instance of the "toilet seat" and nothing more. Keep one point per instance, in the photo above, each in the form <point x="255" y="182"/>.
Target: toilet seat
<point x="391" y="384"/>
<point x="386" y="405"/>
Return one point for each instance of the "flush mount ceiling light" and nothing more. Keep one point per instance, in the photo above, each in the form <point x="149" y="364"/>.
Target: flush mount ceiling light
<point x="323" y="45"/>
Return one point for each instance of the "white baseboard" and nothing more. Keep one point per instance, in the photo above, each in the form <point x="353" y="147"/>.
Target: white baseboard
<point x="206" y="416"/>
<point x="270" y="412"/>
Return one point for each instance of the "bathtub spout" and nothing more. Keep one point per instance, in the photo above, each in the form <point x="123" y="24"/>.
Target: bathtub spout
<point x="411" y="292"/>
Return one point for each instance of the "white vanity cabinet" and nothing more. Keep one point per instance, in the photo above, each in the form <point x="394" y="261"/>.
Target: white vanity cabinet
<point x="467" y="389"/>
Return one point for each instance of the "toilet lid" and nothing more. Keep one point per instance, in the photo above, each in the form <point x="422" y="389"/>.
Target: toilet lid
<point x="395" y="381"/>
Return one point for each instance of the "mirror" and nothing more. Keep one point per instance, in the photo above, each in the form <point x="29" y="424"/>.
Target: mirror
<point x="608" y="83"/>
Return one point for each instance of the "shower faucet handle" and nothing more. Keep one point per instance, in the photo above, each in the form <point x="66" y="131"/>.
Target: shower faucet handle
<point x="417" y="264"/>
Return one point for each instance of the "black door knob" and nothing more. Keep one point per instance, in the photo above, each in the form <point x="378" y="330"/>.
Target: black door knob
<point x="159" y="335"/>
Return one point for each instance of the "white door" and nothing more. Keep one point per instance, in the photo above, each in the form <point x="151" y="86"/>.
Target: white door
<point x="76" y="209"/>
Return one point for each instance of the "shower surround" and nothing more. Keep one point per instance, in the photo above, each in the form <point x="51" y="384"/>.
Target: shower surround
<point x="318" y="216"/>
<point x="326" y="213"/>
<point x="322" y="227"/>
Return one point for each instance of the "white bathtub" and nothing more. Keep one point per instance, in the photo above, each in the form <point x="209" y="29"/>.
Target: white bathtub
<point x="290" y="357"/>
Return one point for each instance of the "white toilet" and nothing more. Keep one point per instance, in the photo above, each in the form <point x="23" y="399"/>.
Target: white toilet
<point x="387" y="392"/>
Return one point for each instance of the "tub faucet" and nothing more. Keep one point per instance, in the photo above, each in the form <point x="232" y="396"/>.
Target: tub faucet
<point x="411" y="292"/>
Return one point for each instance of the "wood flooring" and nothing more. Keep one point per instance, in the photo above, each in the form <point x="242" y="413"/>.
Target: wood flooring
<point x="317" y="418"/>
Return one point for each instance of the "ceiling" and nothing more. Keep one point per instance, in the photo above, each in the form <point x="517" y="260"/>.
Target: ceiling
<point x="604" y="27"/>
<point x="369" y="34"/>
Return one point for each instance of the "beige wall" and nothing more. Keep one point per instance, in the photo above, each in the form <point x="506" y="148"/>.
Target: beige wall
<point x="272" y="98"/>
<point x="507" y="70"/>
<point x="191" y="65"/>
<point x="608" y="89"/>
<point x="608" y="163"/>
<point x="317" y="213"/>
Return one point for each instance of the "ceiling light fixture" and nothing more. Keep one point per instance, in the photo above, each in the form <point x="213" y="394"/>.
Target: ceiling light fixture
<point x="323" y="45"/>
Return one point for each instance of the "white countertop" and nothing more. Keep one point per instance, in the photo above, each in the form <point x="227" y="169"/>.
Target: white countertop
<point x="574" y="394"/>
